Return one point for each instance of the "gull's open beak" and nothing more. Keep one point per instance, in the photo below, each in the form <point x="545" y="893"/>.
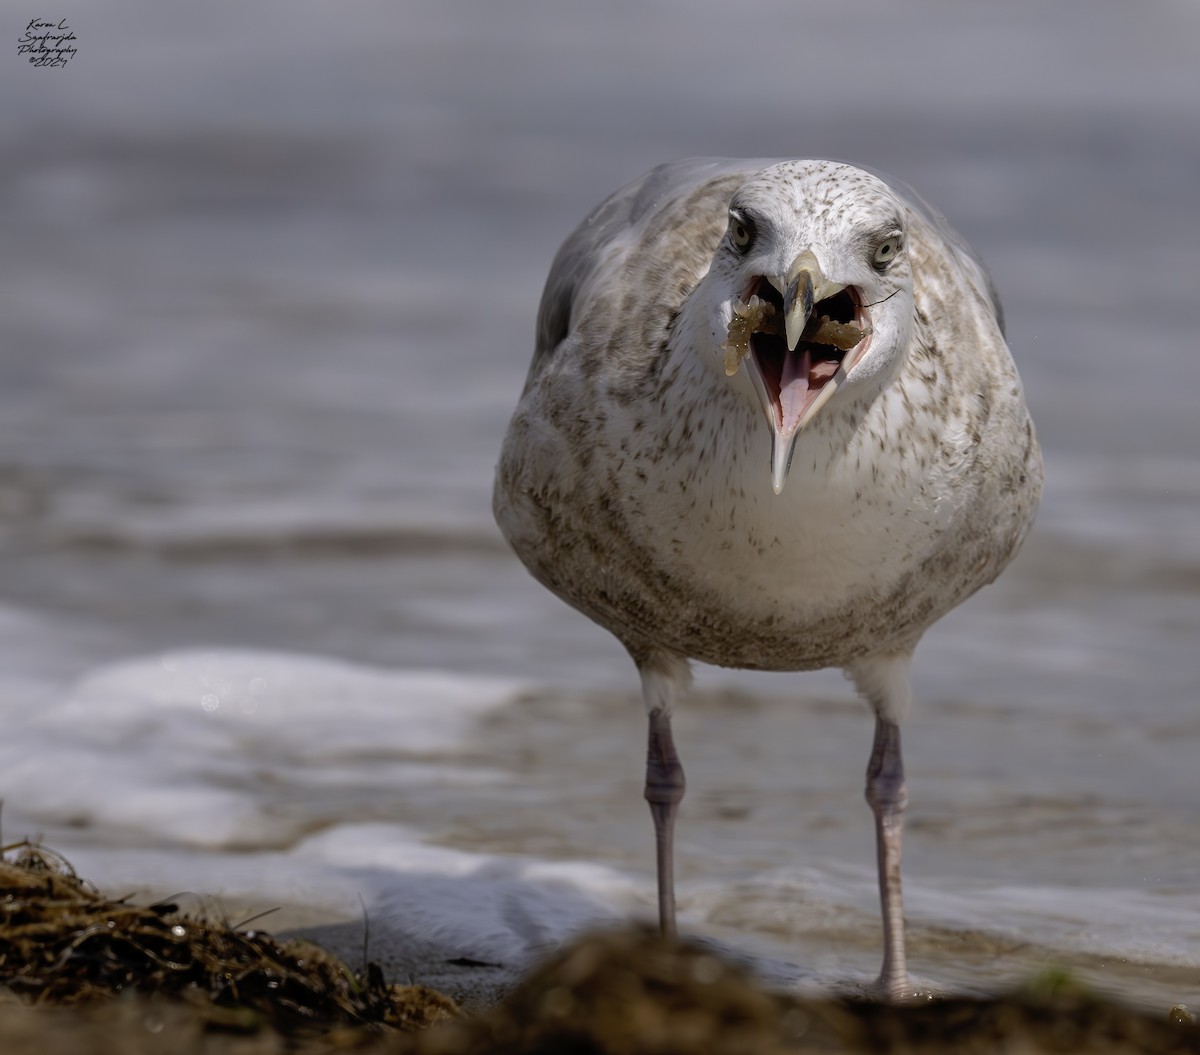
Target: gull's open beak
<point x="799" y="335"/>
<point x="804" y="285"/>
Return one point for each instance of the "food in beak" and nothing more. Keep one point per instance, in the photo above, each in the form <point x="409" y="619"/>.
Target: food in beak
<point x="841" y="335"/>
<point x="759" y="316"/>
<point x="756" y="316"/>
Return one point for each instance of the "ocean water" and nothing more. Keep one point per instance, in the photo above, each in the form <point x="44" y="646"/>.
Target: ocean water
<point x="269" y="284"/>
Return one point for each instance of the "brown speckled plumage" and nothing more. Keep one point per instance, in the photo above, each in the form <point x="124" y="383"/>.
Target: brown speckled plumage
<point x="614" y="395"/>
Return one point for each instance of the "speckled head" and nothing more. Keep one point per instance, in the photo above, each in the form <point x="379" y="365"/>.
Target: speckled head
<point x="809" y="298"/>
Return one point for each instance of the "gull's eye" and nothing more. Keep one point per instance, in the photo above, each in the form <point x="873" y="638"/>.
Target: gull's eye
<point x="741" y="231"/>
<point x="886" y="252"/>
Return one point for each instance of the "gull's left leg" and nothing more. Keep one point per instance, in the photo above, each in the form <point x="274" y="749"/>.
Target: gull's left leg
<point x="884" y="682"/>
<point x="664" y="676"/>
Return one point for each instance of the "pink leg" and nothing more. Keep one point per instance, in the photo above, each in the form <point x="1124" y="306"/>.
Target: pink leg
<point x="664" y="791"/>
<point x="888" y="799"/>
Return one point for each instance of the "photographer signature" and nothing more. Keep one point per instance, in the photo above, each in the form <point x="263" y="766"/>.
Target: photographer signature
<point x="47" y="43"/>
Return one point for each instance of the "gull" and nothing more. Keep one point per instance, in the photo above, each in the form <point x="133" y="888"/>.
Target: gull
<point x="771" y="423"/>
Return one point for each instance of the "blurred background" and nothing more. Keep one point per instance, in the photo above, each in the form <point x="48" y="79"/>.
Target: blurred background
<point x="269" y="278"/>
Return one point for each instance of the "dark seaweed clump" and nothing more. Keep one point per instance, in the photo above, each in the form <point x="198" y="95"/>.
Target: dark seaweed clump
<point x="62" y="943"/>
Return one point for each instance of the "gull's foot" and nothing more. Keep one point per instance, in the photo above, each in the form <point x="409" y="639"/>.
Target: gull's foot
<point x="899" y="988"/>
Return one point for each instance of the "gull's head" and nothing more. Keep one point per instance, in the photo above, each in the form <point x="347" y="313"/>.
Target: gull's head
<point x="810" y="293"/>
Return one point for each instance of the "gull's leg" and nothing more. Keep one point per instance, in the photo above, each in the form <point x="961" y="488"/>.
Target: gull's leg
<point x="884" y="682"/>
<point x="662" y="679"/>
<point x="664" y="790"/>
<point x="888" y="798"/>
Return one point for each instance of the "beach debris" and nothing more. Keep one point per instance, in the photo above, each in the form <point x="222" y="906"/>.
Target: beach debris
<point x="62" y="942"/>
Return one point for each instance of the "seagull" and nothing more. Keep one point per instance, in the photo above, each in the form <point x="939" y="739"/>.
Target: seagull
<point x="771" y="423"/>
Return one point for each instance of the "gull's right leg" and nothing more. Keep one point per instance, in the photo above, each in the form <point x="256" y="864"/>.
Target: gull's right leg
<point x="884" y="681"/>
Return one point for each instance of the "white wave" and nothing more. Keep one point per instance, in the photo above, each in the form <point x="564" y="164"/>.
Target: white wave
<point x="194" y="747"/>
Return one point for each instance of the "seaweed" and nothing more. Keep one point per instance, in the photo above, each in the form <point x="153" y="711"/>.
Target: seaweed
<point x="63" y="943"/>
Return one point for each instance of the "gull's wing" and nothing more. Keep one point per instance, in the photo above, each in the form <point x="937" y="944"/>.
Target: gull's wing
<point x="968" y="260"/>
<point x="602" y="242"/>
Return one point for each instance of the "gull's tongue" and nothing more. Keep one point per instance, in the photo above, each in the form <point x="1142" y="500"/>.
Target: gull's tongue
<point x="793" y="389"/>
